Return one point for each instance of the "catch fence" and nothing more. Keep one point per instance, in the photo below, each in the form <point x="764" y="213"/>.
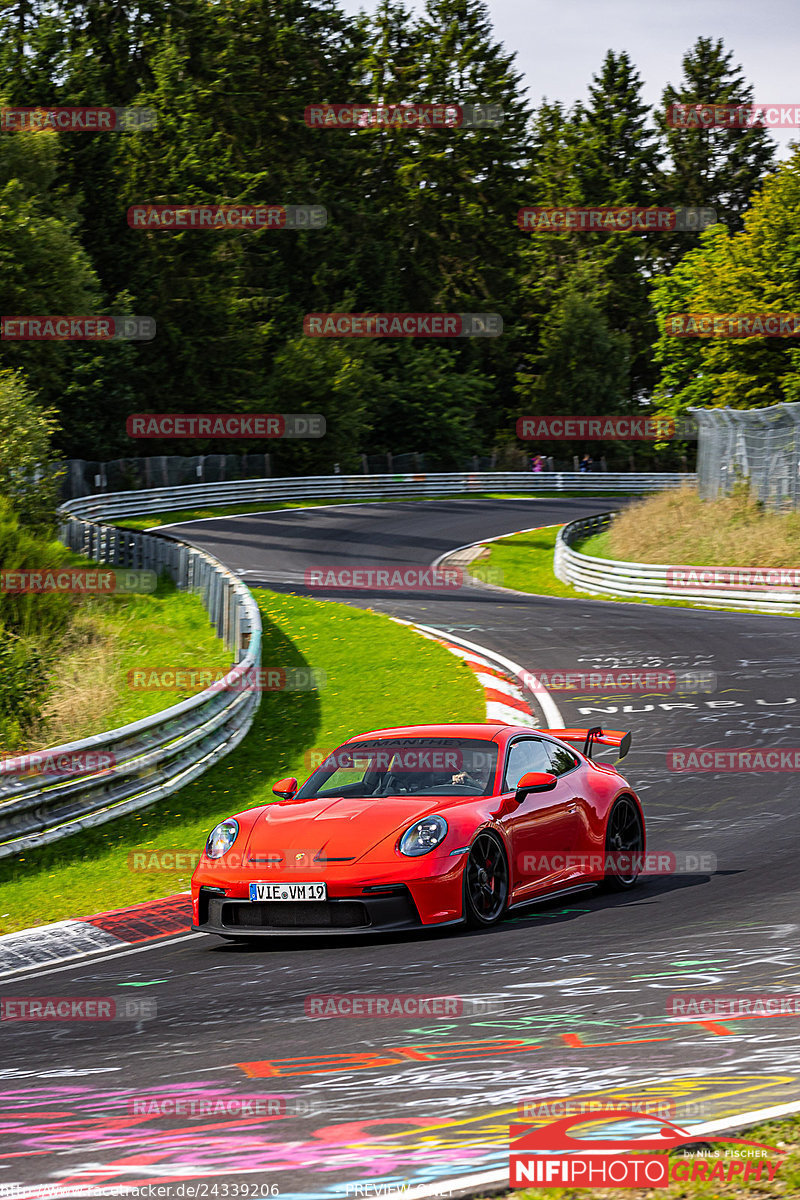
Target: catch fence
<point x="757" y="447"/>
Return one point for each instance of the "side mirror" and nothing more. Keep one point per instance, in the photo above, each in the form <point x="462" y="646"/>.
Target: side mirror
<point x="535" y="781"/>
<point x="285" y="788"/>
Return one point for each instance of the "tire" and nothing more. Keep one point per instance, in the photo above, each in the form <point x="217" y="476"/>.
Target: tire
<point x="624" y="833"/>
<point x="485" y="882"/>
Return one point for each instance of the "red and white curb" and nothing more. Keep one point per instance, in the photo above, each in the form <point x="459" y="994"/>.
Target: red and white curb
<point x="66" y="940"/>
<point x="499" y="677"/>
<point x="504" y="700"/>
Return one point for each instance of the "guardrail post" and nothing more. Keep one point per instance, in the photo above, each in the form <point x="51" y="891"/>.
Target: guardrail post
<point x="226" y="613"/>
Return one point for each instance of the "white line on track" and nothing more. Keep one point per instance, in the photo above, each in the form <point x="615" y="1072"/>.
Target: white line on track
<point x="88" y="960"/>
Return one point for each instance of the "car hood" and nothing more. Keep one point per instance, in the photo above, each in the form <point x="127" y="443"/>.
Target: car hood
<point x="343" y="827"/>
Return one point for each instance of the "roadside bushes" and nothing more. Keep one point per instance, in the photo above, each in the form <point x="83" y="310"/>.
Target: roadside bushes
<point x="31" y="625"/>
<point x="29" y="468"/>
<point x="23" y="680"/>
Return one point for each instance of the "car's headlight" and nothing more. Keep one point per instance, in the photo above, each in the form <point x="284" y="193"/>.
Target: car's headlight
<point x="221" y="838"/>
<point x="423" y="836"/>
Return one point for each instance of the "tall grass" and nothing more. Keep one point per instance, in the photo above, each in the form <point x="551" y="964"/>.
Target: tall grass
<point x="65" y="658"/>
<point x="678" y="527"/>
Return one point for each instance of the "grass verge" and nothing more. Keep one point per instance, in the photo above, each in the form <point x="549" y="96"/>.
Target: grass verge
<point x="111" y="636"/>
<point x="378" y="674"/>
<point x="525" y="561"/>
<point x="785" y="1135"/>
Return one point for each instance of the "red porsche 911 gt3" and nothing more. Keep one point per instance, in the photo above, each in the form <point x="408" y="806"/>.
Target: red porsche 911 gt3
<point x="424" y="826"/>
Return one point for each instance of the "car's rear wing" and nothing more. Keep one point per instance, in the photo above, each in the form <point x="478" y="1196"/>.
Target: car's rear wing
<point x="603" y="737"/>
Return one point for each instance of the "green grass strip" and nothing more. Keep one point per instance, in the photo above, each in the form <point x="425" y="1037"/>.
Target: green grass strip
<point x="162" y="631"/>
<point x="525" y="563"/>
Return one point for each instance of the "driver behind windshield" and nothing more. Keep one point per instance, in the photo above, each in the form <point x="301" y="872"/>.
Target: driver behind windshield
<point x="475" y="778"/>
<point x="413" y="767"/>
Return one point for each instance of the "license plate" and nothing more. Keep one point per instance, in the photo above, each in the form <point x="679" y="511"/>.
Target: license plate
<point x="288" y="891"/>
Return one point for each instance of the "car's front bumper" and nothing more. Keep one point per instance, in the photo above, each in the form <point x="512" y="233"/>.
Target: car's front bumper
<point x="363" y="914"/>
<point x="420" y="893"/>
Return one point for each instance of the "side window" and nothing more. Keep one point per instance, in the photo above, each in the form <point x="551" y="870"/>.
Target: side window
<point x="561" y="759"/>
<point x="528" y="755"/>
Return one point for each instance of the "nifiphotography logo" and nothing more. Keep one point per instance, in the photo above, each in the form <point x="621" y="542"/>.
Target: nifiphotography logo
<point x="549" y="1156"/>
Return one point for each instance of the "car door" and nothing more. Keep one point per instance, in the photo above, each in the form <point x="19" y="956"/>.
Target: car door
<point x="570" y="771"/>
<point x="543" y="828"/>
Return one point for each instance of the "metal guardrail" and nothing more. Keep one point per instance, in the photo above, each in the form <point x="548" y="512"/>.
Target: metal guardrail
<point x="156" y="756"/>
<point x="245" y="491"/>
<point x="611" y="577"/>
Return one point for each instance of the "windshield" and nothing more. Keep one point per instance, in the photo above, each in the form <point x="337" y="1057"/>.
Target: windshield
<point x="406" y="767"/>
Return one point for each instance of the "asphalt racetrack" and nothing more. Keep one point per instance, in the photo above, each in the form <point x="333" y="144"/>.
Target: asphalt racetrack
<point x="583" y="980"/>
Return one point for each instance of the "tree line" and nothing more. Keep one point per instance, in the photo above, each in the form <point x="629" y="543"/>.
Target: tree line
<point x="418" y="221"/>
